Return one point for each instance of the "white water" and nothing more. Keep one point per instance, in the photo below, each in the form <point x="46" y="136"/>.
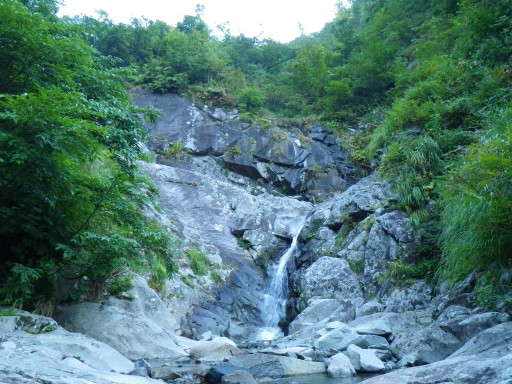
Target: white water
<point x="276" y="294"/>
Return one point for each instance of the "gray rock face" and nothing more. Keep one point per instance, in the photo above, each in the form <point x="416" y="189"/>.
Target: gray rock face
<point x="289" y="161"/>
<point x="340" y="366"/>
<point x="322" y="311"/>
<point x="60" y="357"/>
<point x="364" y="360"/>
<point x="485" y="359"/>
<point x="357" y="202"/>
<point x="390" y="238"/>
<point x="267" y="222"/>
<point x="417" y="296"/>
<point x="339" y="339"/>
<point x="127" y="332"/>
<point x="329" y="278"/>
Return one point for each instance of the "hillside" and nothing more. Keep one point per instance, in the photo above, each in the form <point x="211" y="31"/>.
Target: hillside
<point x="376" y="155"/>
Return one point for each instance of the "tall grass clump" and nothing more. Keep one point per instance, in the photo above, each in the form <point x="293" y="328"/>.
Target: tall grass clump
<point x="477" y="204"/>
<point x="198" y="261"/>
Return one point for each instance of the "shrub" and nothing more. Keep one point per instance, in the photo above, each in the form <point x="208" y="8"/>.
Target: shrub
<point x="244" y="244"/>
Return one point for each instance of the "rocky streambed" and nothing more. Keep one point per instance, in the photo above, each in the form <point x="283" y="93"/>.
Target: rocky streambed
<point x="256" y="203"/>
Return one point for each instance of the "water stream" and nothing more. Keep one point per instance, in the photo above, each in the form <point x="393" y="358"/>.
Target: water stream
<point x="276" y="294"/>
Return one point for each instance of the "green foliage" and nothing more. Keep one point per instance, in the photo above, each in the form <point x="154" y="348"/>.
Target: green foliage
<point x="20" y="285"/>
<point x="8" y="312"/>
<point x="493" y="292"/>
<point x="477" y="203"/>
<point x="69" y="142"/>
<point x="174" y="151"/>
<point x="198" y="261"/>
<point x="118" y="285"/>
<point x="187" y="281"/>
<point x="234" y="150"/>
<point x="356" y="266"/>
<point x="250" y="99"/>
<point x="407" y="273"/>
<point x="244" y="244"/>
<point x="216" y="277"/>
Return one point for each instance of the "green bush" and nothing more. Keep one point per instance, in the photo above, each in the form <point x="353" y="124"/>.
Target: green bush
<point x="118" y="285"/>
<point x="69" y="144"/>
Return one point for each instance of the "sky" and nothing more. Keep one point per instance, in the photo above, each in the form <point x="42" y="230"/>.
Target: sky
<point x="280" y="20"/>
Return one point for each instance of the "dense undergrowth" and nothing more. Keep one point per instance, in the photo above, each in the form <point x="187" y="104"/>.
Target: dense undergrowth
<point x="420" y="91"/>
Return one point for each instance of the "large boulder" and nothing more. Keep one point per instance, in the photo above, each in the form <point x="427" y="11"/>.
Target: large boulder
<point x="415" y="297"/>
<point x="322" y="311"/>
<point x="238" y="377"/>
<point x="339" y="339"/>
<point x="364" y="360"/>
<point x="264" y="365"/>
<point x="58" y="356"/>
<point x="440" y="339"/>
<point x="329" y="278"/>
<point x="340" y="366"/>
<point x="485" y="359"/>
<point x="216" y="374"/>
<point x="357" y="202"/>
<point x="464" y="324"/>
<point x="127" y="332"/>
<point x="217" y="349"/>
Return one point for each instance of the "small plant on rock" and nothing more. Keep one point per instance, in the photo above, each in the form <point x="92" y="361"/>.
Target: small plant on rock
<point x="244" y="244"/>
<point x="198" y="261"/>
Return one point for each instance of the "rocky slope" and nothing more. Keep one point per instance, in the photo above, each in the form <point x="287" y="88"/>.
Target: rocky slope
<point x="241" y="195"/>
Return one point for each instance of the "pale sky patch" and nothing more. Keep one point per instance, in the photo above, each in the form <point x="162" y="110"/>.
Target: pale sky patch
<point x="277" y="19"/>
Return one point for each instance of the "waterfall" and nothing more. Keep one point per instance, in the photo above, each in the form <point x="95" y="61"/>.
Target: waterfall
<point x="276" y="294"/>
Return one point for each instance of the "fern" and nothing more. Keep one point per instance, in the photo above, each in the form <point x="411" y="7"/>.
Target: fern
<point x="19" y="287"/>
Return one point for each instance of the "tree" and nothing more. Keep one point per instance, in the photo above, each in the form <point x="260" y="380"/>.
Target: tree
<point x="71" y="195"/>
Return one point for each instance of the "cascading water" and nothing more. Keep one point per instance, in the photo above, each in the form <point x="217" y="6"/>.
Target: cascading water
<point x="276" y="294"/>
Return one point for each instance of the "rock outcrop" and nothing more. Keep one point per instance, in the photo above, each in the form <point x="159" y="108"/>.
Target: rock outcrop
<point x="290" y="161"/>
<point x="55" y="355"/>
<point x="486" y="358"/>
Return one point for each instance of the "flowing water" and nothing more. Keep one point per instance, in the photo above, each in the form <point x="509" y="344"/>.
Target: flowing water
<point x="276" y="294"/>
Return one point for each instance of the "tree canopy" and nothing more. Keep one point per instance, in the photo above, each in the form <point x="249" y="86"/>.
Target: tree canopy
<point x="71" y="197"/>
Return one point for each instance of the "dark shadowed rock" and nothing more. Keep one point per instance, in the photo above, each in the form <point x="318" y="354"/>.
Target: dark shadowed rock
<point x="289" y="161"/>
<point x="215" y="374"/>
<point x="464" y="325"/>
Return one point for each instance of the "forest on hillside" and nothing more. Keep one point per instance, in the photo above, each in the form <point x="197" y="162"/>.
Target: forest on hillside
<point x="420" y="91"/>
